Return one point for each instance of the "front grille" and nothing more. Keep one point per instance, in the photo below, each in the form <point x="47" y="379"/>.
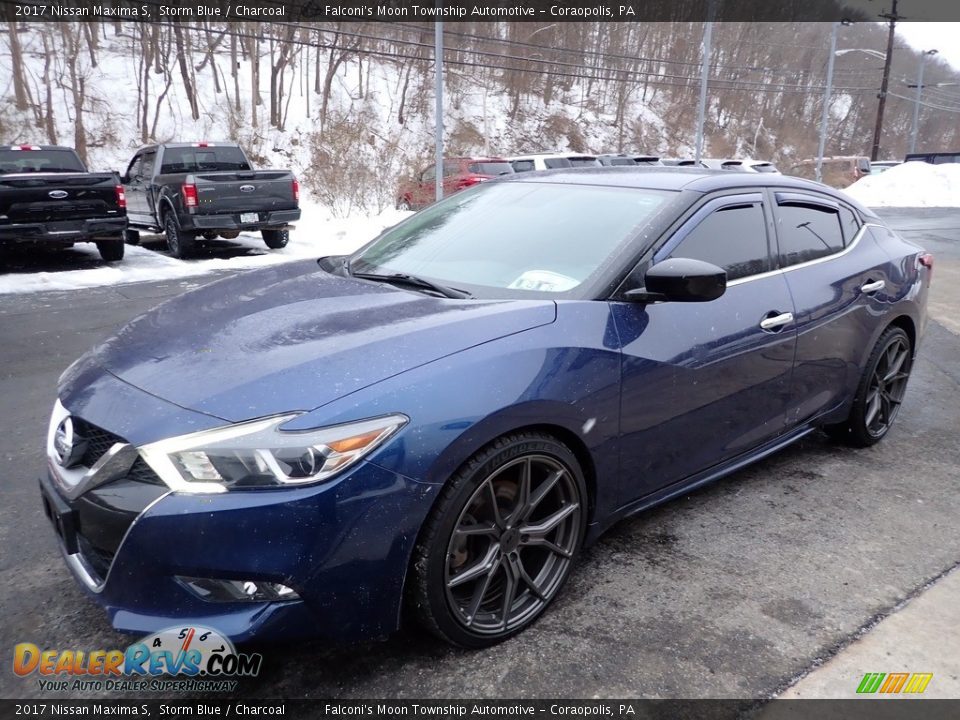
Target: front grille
<point x="98" y="440"/>
<point x="57" y="211"/>
<point x="98" y="559"/>
<point x="143" y="473"/>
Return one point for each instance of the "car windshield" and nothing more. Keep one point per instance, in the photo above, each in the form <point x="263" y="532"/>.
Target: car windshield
<point x="200" y="159"/>
<point x="491" y="168"/>
<point x="39" y="161"/>
<point x="511" y="239"/>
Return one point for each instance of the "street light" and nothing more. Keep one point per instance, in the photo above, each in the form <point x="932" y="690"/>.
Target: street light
<point x="826" y="95"/>
<point x="916" y="101"/>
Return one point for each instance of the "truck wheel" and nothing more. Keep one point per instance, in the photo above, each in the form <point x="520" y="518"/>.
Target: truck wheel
<point x="276" y="239"/>
<point x="131" y="237"/>
<point x="179" y="243"/>
<point x="111" y="250"/>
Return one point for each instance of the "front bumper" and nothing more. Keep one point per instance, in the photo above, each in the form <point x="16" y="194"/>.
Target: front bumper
<point x="344" y="545"/>
<point x="265" y="220"/>
<point x="64" y="232"/>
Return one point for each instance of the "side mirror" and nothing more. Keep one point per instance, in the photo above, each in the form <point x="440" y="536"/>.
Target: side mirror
<point x="681" y="280"/>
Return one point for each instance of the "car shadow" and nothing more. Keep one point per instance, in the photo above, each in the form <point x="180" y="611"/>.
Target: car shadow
<point x="203" y="249"/>
<point x="27" y="260"/>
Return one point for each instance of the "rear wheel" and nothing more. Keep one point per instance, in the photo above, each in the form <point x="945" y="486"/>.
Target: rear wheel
<point x="179" y="243"/>
<point x="131" y="237"/>
<point x="403" y="204"/>
<point x="501" y="541"/>
<point x="880" y="392"/>
<point x="111" y="250"/>
<point x="276" y="239"/>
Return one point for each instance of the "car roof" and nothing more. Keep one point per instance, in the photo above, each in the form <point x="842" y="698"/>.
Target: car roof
<point x="551" y="155"/>
<point x="701" y="180"/>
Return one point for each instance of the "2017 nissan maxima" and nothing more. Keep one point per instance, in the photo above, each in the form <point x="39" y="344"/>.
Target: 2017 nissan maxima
<point x="433" y="427"/>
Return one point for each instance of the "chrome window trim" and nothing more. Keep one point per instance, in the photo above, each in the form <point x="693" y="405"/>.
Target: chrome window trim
<point x="808" y="263"/>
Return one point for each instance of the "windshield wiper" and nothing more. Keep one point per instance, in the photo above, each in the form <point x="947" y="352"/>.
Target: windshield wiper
<point x="413" y="281"/>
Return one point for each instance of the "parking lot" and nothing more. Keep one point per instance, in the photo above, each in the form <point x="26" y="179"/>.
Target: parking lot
<point x="733" y="591"/>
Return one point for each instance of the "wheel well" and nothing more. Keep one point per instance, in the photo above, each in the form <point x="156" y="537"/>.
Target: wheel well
<point x="905" y="323"/>
<point x="580" y="451"/>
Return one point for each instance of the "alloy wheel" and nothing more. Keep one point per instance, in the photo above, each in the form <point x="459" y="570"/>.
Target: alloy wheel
<point x="887" y="387"/>
<point x="512" y="544"/>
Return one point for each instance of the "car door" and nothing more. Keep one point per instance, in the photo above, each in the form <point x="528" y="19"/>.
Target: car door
<point x="705" y="382"/>
<point x="133" y="188"/>
<point x="837" y="277"/>
<point x="147" y="197"/>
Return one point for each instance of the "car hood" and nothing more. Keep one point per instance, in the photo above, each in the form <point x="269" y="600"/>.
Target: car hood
<point x="296" y="338"/>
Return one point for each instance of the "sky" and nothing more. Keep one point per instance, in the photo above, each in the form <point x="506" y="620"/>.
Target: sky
<point x="940" y="36"/>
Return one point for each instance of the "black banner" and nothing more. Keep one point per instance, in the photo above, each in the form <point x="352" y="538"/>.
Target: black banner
<point x="470" y="10"/>
<point x="862" y="709"/>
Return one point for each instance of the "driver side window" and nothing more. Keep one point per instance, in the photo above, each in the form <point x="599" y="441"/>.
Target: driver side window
<point x="733" y="238"/>
<point x="135" y="168"/>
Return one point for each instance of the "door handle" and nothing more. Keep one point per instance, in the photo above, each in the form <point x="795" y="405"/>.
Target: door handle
<point x="872" y="287"/>
<point x="776" y="321"/>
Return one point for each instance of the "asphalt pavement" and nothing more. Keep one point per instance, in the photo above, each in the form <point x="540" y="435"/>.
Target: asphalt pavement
<point x="734" y="591"/>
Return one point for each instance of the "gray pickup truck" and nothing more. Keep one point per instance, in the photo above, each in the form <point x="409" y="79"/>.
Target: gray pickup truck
<point x="210" y="190"/>
<point x="48" y="199"/>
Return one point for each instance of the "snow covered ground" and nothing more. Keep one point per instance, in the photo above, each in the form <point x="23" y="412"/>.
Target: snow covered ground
<point x="913" y="184"/>
<point x="317" y="234"/>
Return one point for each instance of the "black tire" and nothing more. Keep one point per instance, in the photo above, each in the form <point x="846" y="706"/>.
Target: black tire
<point x="111" y="250"/>
<point x="879" y="393"/>
<point x="492" y="556"/>
<point x="276" y="239"/>
<point x="404" y="204"/>
<point x="179" y="243"/>
<point x="131" y="237"/>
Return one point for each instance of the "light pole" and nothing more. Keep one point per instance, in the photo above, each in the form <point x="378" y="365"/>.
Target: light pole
<point x="438" y="111"/>
<point x="826" y="100"/>
<point x="916" y="101"/>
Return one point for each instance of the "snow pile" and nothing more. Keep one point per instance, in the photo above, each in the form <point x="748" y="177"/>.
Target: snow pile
<point x="912" y="184"/>
<point x="316" y="234"/>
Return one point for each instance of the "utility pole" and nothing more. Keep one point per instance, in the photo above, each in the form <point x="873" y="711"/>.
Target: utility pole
<point x="704" y="78"/>
<point x="438" y="110"/>
<point x="916" y="101"/>
<point x="892" y="17"/>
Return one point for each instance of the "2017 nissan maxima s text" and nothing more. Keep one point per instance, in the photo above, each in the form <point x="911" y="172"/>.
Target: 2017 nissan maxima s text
<point x="434" y="426"/>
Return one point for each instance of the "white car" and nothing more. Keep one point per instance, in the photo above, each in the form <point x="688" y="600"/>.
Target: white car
<point x="551" y="161"/>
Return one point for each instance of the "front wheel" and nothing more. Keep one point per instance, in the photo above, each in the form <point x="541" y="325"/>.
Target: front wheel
<point x="179" y="243"/>
<point x="276" y="239"/>
<point x="880" y="391"/>
<point x="500" y="542"/>
<point x="111" y="250"/>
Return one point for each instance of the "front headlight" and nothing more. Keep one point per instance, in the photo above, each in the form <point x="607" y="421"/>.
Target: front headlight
<point x="259" y="454"/>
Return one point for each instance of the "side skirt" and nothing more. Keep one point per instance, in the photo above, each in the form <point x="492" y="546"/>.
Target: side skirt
<point x="595" y="530"/>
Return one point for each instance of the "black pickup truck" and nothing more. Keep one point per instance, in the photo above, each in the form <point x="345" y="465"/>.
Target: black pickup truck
<point x="48" y="198"/>
<point x="186" y="190"/>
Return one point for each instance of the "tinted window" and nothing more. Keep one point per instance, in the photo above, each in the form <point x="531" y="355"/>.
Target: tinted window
<point x="863" y="164"/>
<point x="148" y="161"/>
<point x="491" y="168"/>
<point x="136" y="167"/>
<point x="200" y="159"/>
<point x="430" y="173"/>
<point x="942" y="159"/>
<point x="505" y="239"/>
<point x="522" y="165"/>
<point x="850" y="223"/>
<point x="765" y="167"/>
<point x="734" y="238"/>
<point x="584" y="162"/>
<point x="39" y="161"/>
<point x="807" y="233"/>
<point x="450" y="168"/>
<point x="554" y="163"/>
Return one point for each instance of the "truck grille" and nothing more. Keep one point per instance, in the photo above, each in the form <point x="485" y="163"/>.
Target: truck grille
<point x="69" y="210"/>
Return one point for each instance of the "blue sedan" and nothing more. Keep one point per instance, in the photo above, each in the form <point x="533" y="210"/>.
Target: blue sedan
<point x="432" y="428"/>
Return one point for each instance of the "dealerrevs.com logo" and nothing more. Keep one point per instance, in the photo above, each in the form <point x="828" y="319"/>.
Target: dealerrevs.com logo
<point x="190" y="659"/>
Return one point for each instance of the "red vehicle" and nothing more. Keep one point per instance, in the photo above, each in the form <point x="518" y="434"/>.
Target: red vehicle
<point x="458" y="173"/>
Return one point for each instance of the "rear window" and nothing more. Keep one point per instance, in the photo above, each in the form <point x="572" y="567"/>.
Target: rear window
<point x="522" y="165"/>
<point x="490" y="168"/>
<point x="584" y="162"/>
<point x="621" y="161"/>
<point x="203" y="159"/>
<point x="554" y="163"/>
<point x="39" y="161"/>
<point x="863" y="165"/>
<point x="765" y="167"/>
<point x="732" y="165"/>
<point x="942" y="159"/>
<point x="807" y="232"/>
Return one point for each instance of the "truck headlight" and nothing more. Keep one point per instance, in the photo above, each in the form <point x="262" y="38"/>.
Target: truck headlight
<point x="258" y="454"/>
